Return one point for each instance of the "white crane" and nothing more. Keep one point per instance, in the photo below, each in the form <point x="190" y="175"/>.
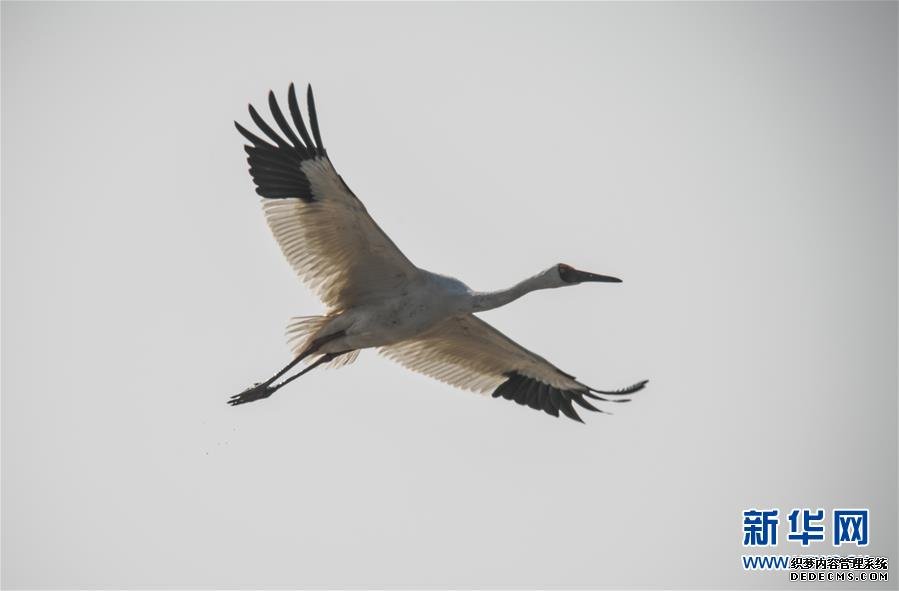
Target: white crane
<point x="376" y="297"/>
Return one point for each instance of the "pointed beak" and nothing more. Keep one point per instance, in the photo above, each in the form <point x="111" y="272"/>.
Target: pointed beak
<point x="582" y="276"/>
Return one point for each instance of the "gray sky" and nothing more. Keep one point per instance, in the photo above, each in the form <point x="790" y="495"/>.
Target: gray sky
<point x="734" y="163"/>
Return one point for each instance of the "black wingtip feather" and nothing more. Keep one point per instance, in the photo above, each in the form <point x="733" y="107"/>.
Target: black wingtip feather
<point x="297" y="116"/>
<point x="313" y="120"/>
<point x="567" y="409"/>
<point x="623" y="391"/>
<point x="277" y="168"/>
<point x="282" y="123"/>
<point x="579" y="400"/>
<point x="548" y="406"/>
<point x="528" y="391"/>
<point x="252" y="138"/>
<point x="535" y="399"/>
<point x="268" y="131"/>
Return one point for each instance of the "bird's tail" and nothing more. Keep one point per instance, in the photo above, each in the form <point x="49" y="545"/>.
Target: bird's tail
<point x="301" y="330"/>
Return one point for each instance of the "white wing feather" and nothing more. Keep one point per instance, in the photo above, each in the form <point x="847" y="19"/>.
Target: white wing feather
<point x="468" y="353"/>
<point x="323" y="229"/>
<point x="332" y="243"/>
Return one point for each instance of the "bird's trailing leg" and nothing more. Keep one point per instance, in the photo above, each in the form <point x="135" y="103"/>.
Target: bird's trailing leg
<point x="266" y="389"/>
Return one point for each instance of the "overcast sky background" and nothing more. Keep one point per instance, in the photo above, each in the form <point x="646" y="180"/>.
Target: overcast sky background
<point x="734" y="163"/>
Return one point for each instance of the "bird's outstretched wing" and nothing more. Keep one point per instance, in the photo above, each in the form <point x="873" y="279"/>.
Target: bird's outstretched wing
<point x="468" y="353"/>
<point x="322" y="228"/>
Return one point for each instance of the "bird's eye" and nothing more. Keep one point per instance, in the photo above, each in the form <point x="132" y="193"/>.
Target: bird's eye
<point x="567" y="273"/>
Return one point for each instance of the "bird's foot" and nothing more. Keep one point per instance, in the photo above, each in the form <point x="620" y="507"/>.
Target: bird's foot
<point x="253" y="393"/>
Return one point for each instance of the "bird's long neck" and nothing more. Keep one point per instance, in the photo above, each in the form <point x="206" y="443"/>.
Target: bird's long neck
<point x="488" y="300"/>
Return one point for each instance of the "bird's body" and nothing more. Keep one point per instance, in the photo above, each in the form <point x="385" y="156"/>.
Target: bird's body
<point x="377" y="298"/>
<point x="419" y="305"/>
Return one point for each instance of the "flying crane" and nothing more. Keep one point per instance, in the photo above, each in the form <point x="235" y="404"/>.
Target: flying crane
<point x="376" y="297"/>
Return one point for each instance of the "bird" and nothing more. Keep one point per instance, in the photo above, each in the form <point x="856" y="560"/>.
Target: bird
<point x="376" y="298"/>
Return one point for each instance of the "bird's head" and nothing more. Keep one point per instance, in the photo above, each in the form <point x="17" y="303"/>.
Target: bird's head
<point x="568" y="275"/>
